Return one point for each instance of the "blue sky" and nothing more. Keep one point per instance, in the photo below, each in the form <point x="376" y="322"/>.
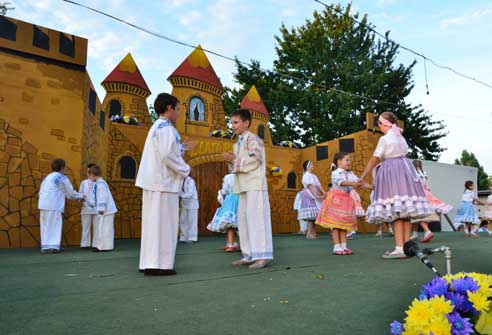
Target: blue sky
<point x="454" y="33"/>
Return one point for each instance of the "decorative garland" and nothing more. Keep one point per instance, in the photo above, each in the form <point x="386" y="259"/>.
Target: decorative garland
<point x="288" y="144"/>
<point x="220" y="133"/>
<point x="124" y="119"/>
<point x="276" y="171"/>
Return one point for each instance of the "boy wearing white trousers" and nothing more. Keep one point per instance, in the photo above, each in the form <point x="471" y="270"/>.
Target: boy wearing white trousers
<point x="160" y="176"/>
<point x="87" y="214"/>
<point x="55" y="187"/>
<point x="103" y="204"/>
<point x="249" y="166"/>
<point x="188" y="220"/>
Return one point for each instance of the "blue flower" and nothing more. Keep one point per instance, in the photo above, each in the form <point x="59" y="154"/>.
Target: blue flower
<point x="422" y="295"/>
<point x="459" y="325"/>
<point x="436" y="287"/>
<point x="462" y="285"/>
<point x="396" y="328"/>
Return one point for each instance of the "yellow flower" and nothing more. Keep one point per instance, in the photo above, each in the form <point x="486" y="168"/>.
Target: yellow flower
<point x="439" y="326"/>
<point x="126" y="119"/>
<point x="418" y="312"/>
<point x="440" y="305"/>
<point x="479" y="301"/>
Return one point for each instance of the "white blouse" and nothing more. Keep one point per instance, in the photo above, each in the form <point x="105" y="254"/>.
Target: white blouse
<point x="340" y="175"/>
<point x="391" y="146"/>
<point x="468" y="196"/>
<point x="310" y="179"/>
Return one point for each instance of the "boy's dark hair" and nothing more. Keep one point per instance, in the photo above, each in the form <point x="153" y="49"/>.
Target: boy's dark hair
<point x="90" y="165"/>
<point x="163" y="100"/>
<point x="243" y="114"/>
<point x="95" y="170"/>
<point x="468" y="183"/>
<point x="338" y="156"/>
<point x="58" y="164"/>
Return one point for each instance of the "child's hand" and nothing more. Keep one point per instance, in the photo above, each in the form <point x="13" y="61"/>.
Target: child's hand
<point x="229" y="156"/>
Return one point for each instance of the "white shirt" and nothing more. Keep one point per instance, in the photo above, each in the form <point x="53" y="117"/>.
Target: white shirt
<point x="227" y="184"/>
<point x="162" y="167"/>
<point x="489" y="200"/>
<point x="391" y="146"/>
<point x="468" y="196"/>
<point x="189" y="195"/>
<point x="54" y="188"/>
<point x="340" y="175"/>
<point x="87" y="189"/>
<point x="309" y="178"/>
<point x="423" y="179"/>
<point x="102" y="200"/>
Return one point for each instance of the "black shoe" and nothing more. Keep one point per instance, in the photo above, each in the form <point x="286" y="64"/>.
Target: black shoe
<point x="85" y="248"/>
<point x="50" y="251"/>
<point x="141" y="271"/>
<point x="95" y="250"/>
<point x="159" y="272"/>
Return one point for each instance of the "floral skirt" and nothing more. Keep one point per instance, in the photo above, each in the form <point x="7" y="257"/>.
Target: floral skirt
<point x="337" y="211"/>
<point x="225" y="217"/>
<point x="467" y="213"/>
<point x="309" y="208"/>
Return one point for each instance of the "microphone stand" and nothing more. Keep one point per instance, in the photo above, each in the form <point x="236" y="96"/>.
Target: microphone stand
<point x="448" y="255"/>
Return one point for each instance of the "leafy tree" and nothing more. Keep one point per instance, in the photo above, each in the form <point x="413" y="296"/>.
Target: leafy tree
<point x="330" y="53"/>
<point x="4" y="8"/>
<point x="469" y="159"/>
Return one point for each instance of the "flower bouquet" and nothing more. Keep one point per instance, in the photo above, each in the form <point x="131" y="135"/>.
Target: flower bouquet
<point x="276" y="171"/>
<point x="458" y="304"/>
<point x="220" y="133"/>
<point x="288" y="144"/>
<point x="124" y="119"/>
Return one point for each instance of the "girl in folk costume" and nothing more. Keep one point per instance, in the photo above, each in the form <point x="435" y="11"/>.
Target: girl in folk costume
<point x="311" y="199"/>
<point x="359" y="210"/>
<point x="88" y="214"/>
<point x="103" y="204"/>
<point x="398" y="194"/>
<point x="249" y="167"/>
<point x="338" y="211"/>
<point x="467" y="214"/>
<point x="297" y="207"/>
<point x="55" y="187"/>
<point x="439" y="206"/>
<point x="188" y="220"/>
<point x="225" y="218"/>
<point x="160" y="176"/>
<point x="487" y="215"/>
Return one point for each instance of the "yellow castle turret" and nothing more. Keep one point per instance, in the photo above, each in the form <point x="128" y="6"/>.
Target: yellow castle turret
<point x="127" y="92"/>
<point x="199" y="90"/>
<point x="253" y="102"/>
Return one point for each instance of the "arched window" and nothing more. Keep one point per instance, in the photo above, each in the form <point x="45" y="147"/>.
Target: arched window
<point x="114" y="108"/>
<point x="197" y="110"/>
<point x="292" y="180"/>
<point x="128" y="168"/>
<point x="261" y="131"/>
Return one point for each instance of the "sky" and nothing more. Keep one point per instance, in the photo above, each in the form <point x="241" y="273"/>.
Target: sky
<point x="451" y="32"/>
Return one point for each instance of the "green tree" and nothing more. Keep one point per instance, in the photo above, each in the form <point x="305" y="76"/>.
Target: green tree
<point x="4" y="8"/>
<point x="331" y="52"/>
<point x="153" y="114"/>
<point x="469" y="159"/>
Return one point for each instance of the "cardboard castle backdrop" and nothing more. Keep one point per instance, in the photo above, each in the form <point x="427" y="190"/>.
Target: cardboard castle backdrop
<point x="49" y="109"/>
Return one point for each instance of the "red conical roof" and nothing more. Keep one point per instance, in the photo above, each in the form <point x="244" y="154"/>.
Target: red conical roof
<point x="196" y="66"/>
<point x="127" y="72"/>
<point x="253" y="102"/>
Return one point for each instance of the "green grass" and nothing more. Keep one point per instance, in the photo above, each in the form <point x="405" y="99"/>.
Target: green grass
<point x="306" y="290"/>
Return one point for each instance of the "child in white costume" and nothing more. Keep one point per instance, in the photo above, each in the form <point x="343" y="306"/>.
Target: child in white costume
<point x="103" y="204"/>
<point x="87" y="214"/>
<point x="55" y="187"/>
<point x="249" y="166"/>
<point x="188" y="220"/>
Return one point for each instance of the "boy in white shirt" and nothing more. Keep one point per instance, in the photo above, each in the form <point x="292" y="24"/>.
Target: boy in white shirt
<point x="103" y="204"/>
<point x="160" y="175"/>
<point x="87" y="214"/>
<point x="55" y="187"/>
<point x="188" y="220"/>
<point x="249" y="166"/>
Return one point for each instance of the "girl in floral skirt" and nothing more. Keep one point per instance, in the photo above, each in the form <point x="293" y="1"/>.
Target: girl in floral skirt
<point x="467" y="214"/>
<point x="311" y="199"/>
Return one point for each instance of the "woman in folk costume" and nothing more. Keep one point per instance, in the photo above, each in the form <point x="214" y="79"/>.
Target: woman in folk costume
<point x="439" y="206"/>
<point x="188" y="220"/>
<point x="103" y="204"/>
<point x="88" y="214"/>
<point x="398" y="194"/>
<point x="311" y="199"/>
<point x="467" y="215"/>
<point x="160" y="176"/>
<point x="338" y="212"/>
<point x="55" y="187"/>
<point x="249" y="166"/>
<point x="225" y="218"/>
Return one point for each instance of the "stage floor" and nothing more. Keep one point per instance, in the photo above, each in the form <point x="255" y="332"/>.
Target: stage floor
<point x="306" y="290"/>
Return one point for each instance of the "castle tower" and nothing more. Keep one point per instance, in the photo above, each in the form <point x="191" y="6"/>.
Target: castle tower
<point x="127" y="92"/>
<point x="199" y="90"/>
<point x="253" y="102"/>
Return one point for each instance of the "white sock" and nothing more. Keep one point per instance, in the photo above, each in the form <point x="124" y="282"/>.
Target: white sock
<point x="399" y="250"/>
<point x="343" y="245"/>
<point x="337" y="247"/>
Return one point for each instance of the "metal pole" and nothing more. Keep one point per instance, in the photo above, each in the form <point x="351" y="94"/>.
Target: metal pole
<point x="448" y="255"/>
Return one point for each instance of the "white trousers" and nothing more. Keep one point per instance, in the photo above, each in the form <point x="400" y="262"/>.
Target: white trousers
<point x="88" y="221"/>
<point x="104" y="232"/>
<point x="188" y="225"/>
<point x="254" y="225"/>
<point x="160" y="223"/>
<point x="50" y="224"/>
